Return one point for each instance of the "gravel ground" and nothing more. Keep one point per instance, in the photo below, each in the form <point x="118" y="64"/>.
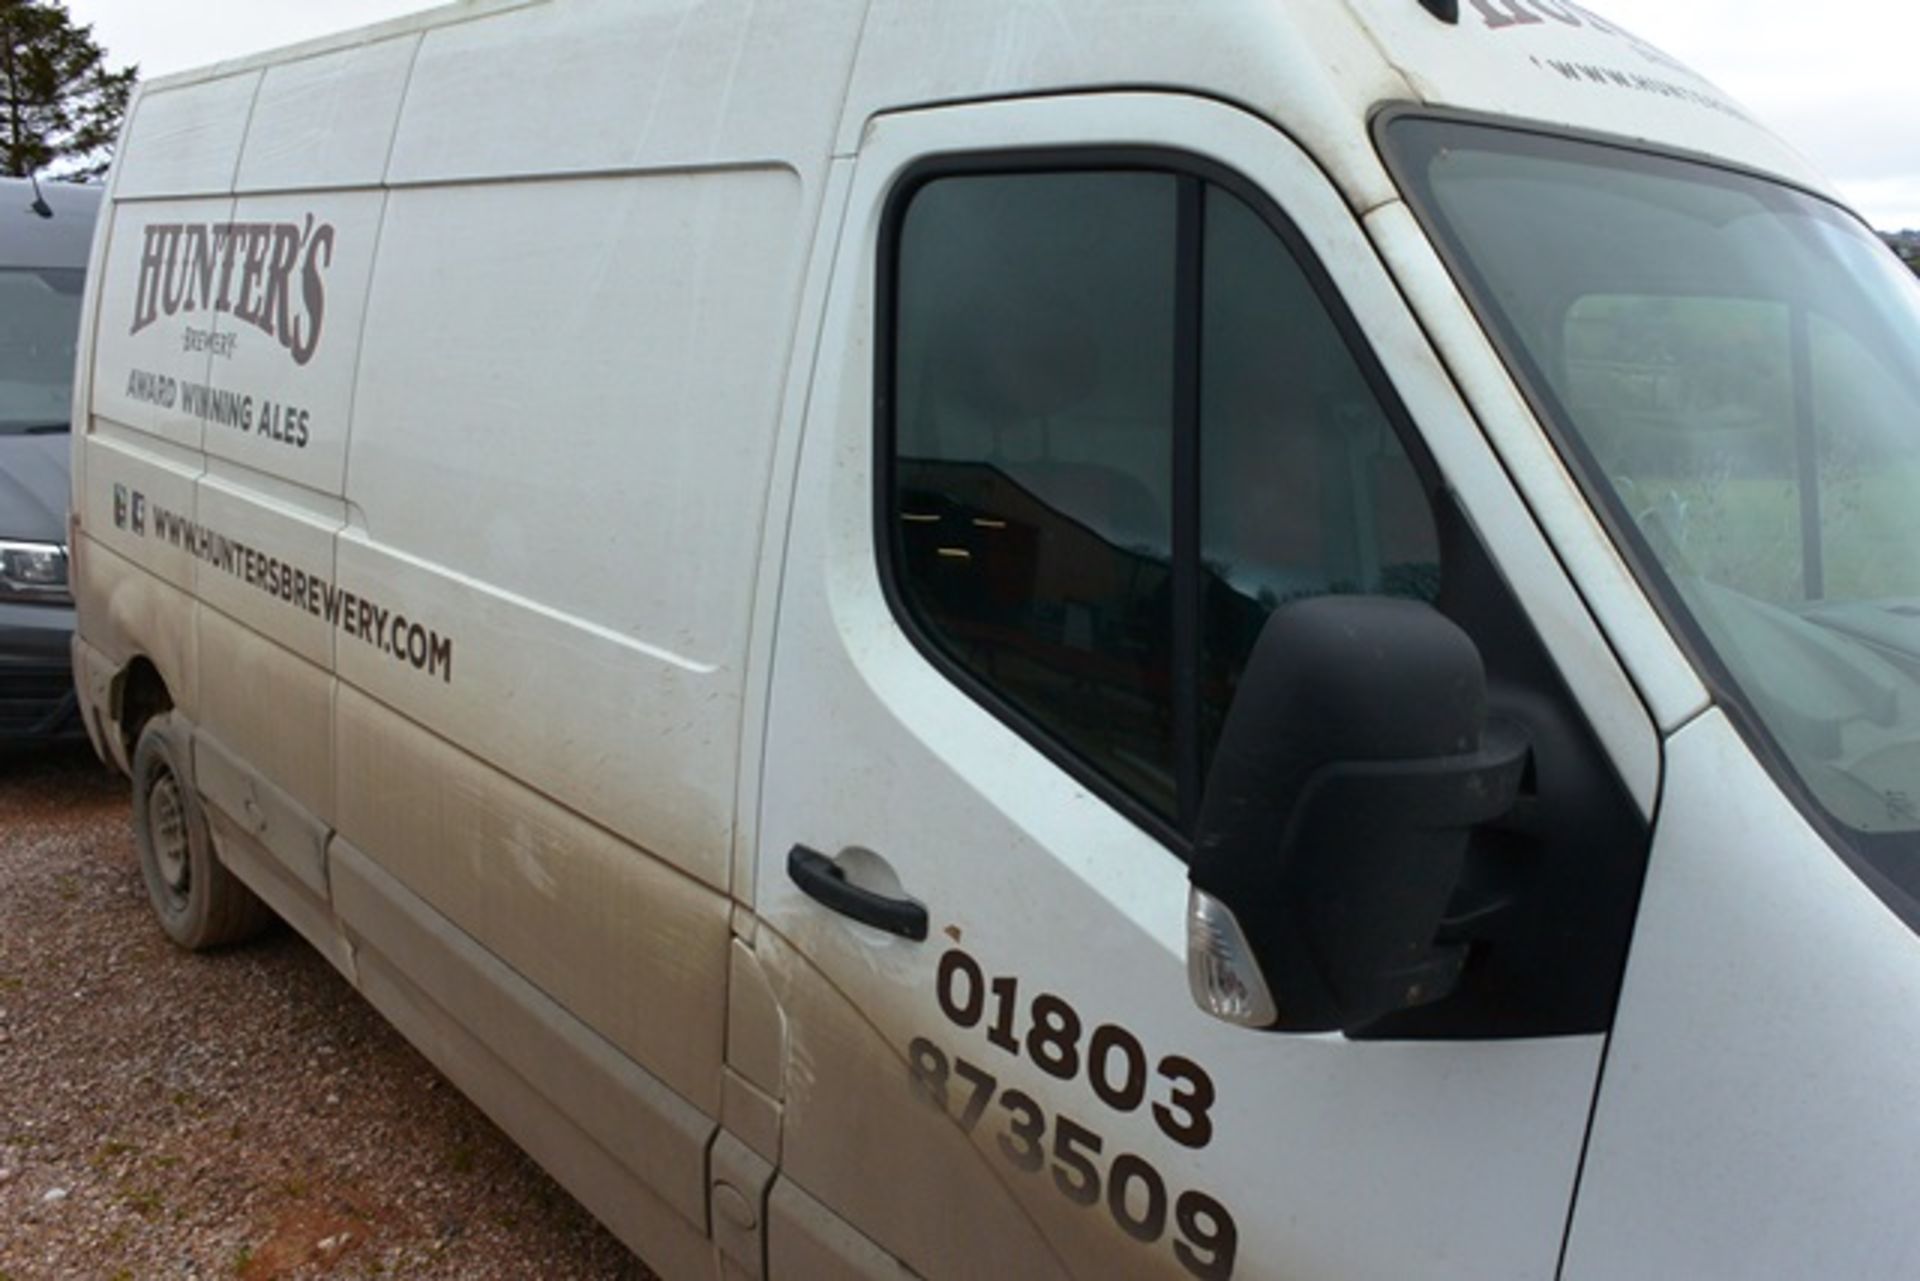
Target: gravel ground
<point x="243" y="1114"/>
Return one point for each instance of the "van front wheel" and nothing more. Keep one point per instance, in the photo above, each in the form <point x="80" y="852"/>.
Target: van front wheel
<point x="199" y="902"/>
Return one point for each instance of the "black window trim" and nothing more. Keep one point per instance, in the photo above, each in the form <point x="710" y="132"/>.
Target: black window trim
<point x="1193" y="173"/>
<point x="1853" y="848"/>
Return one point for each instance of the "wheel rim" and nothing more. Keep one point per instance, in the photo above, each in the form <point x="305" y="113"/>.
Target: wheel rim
<point x="167" y="817"/>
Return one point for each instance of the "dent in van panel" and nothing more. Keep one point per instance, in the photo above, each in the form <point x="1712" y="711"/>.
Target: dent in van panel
<point x="266" y="816"/>
<point x="266" y="873"/>
<point x="602" y="85"/>
<point x="284" y="354"/>
<point x="633" y="949"/>
<point x="160" y="285"/>
<point x="327" y="121"/>
<point x="569" y="391"/>
<point x="185" y="140"/>
<point x="637" y="739"/>
<point x="858" y="1139"/>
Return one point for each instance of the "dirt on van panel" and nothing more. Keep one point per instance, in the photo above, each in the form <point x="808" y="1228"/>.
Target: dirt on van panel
<point x="243" y="1114"/>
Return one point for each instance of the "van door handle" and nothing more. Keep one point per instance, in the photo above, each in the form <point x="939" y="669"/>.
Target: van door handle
<point x="819" y="877"/>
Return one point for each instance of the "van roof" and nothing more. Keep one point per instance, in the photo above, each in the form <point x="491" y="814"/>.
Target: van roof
<point x="1315" y="68"/>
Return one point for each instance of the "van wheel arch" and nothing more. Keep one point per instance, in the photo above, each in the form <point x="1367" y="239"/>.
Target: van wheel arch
<point x="139" y="694"/>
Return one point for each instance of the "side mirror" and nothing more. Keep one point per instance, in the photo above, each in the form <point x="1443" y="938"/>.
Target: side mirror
<point x="1354" y="764"/>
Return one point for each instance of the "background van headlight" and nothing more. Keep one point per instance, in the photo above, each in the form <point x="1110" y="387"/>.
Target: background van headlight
<point x="35" y="573"/>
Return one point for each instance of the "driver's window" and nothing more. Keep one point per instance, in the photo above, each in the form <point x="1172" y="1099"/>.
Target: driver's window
<point x="1126" y="426"/>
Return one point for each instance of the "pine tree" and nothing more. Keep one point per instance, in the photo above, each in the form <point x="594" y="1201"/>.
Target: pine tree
<point x="60" y="103"/>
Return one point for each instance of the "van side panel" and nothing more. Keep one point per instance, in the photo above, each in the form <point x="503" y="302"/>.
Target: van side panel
<point x="567" y="395"/>
<point x="633" y="1117"/>
<point x="631" y="1154"/>
<point x="631" y="948"/>
<point x="269" y="708"/>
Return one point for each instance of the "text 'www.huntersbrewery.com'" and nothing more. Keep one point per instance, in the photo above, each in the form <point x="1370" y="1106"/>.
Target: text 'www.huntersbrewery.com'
<point x="387" y="630"/>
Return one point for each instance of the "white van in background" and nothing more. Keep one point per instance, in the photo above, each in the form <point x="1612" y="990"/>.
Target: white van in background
<point x="1094" y="639"/>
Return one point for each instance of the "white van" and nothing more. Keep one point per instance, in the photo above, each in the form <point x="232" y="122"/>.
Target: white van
<point x="994" y="639"/>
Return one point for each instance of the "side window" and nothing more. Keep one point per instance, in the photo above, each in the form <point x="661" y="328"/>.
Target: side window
<point x="1122" y="429"/>
<point x="1033" y="435"/>
<point x="1306" y="489"/>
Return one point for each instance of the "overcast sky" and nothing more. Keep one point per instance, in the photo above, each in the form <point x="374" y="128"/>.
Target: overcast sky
<point x="1840" y="79"/>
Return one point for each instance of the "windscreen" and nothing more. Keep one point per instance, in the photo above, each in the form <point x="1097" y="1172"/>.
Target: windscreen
<point x="39" y="326"/>
<point x="1734" y="368"/>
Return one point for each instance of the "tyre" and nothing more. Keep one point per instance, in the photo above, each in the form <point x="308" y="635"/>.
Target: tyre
<point x="199" y="902"/>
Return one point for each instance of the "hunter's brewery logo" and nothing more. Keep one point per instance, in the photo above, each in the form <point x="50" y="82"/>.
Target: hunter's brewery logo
<point x="271" y="275"/>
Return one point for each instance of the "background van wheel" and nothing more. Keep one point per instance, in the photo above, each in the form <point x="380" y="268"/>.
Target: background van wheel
<point x="199" y="902"/>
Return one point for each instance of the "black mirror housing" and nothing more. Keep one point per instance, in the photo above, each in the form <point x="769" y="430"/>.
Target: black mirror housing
<point x="1354" y="764"/>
